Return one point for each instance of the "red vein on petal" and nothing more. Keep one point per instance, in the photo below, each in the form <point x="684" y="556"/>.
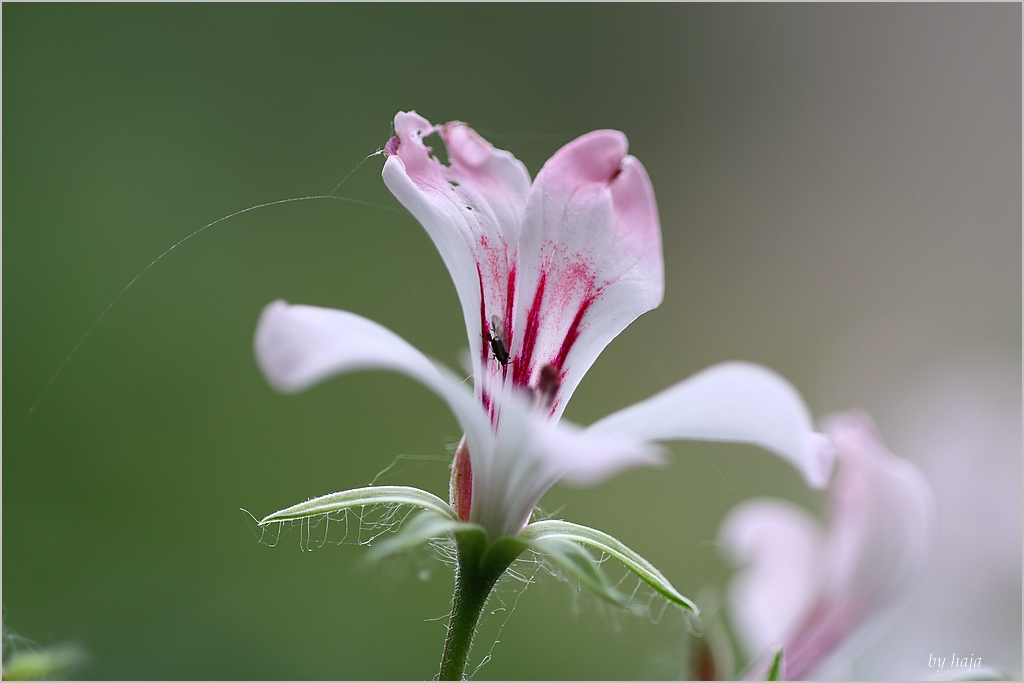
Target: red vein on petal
<point x="485" y="398"/>
<point x="510" y="295"/>
<point x="521" y="371"/>
<point x="573" y="332"/>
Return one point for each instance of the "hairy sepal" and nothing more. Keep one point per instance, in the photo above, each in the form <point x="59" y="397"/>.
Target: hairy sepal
<point x="548" y="531"/>
<point x="424" y="527"/>
<point x="575" y="561"/>
<point x="367" y="496"/>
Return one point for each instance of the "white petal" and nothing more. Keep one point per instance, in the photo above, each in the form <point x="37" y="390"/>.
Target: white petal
<point x="870" y="559"/>
<point x="532" y="453"/>
<point x="876" y="551"/>
<point x="472" y="209"/>
<point x="779" y="545"/>
<point x="882" y="513"/>
<point x="734" y="401"/>
<point x="589" y="258"/>
<point x="586" y="459"/>
<point x="298" y="346"/>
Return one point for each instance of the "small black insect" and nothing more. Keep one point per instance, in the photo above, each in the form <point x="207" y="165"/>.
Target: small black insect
<point x="498" y="340"/>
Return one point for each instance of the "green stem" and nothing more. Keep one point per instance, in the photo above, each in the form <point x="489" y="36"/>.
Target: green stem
<point x="474" y="581"/>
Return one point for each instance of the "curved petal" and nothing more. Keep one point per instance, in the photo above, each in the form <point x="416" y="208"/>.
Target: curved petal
<point x="589" y="257"/>
<point x="734" y="401"/>
<point x="780" y="546"/>
<point x="298" y="346"/>
<point x="472" y="209"/>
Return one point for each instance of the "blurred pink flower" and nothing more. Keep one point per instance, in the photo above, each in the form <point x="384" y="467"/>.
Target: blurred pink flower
<point x="824" y="594"/>
<point x="548" y="273"/>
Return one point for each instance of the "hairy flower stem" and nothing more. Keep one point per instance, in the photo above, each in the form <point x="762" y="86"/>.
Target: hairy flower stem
<point x="477" y="572"/>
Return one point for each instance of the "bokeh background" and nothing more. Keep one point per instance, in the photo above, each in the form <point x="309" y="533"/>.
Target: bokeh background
<point x="840" y="195"/>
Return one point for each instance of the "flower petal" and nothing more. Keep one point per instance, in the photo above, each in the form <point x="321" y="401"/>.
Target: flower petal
<point x="734" y="401"/>
<point x="532" y="453"/>
<point x="876" y="551"/>
<point x="882" y="513"/>
<point x="472" y="209"/>
<point x="835" y="594"/>
<point x="298" y="346"/>
<point x="780" y="546"/>
<point x="589" y="260"/>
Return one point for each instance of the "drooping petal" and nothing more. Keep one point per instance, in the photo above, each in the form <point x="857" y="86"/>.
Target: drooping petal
<point x="733" y="401"/>
<point x="779" y="546"/>
<point x="298" y="346"/>
<point x="590" y="261"/>
<point x="472" y="209"/>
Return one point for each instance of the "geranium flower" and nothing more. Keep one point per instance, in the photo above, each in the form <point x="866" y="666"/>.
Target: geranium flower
<point x="822" y="595"/>
<point x="548" y="273"/>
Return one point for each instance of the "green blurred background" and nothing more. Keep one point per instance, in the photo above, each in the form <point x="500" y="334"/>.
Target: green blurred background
<point x="822" y="172"/>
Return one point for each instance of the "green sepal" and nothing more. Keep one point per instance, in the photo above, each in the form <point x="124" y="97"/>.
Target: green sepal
<point x="577" y="562"/>
<point x="370" y="495"/>
<point x="777" y="671"/>
<point x="555" y="529"/>
<point x="501" y="553"/>
<point x="423" y="527"/>
<point x="472" y="542"/>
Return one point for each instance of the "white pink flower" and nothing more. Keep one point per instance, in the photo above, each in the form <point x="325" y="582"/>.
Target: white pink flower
<point x="823" y="594"/>
<point x="551" y="271"/>
<point x="548" y="273"/>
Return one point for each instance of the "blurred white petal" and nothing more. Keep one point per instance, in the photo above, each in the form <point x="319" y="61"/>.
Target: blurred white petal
<point x="779" y="545"/>
<point x="858" y="576"/>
